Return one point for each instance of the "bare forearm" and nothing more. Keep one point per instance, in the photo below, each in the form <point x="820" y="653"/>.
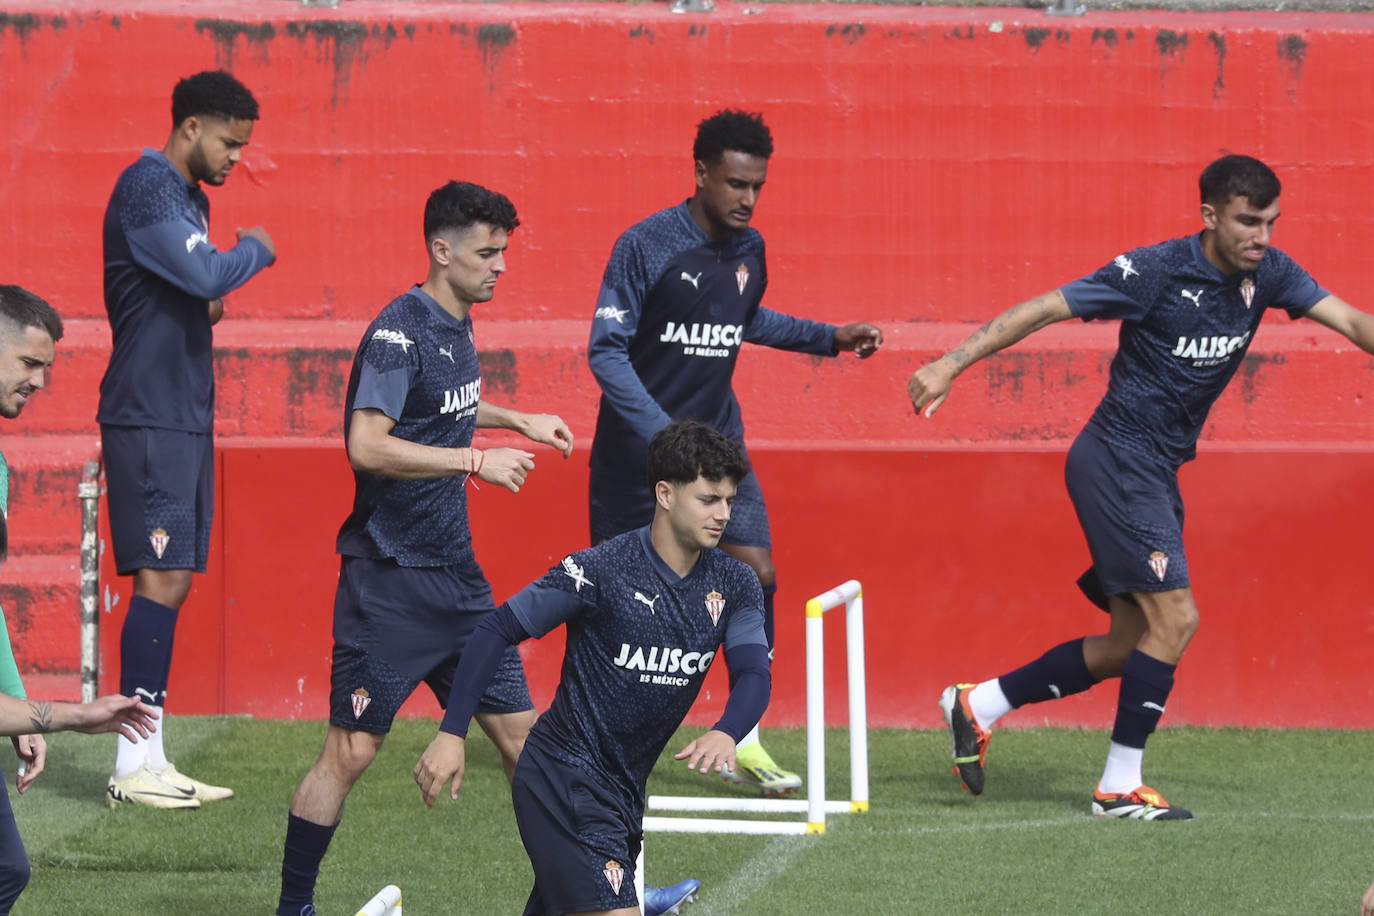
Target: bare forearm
<point x="491" y="416"/>
<point x="401" y="459"/>
<point x="1007" y="328"/>
<point x="35" y="717"/>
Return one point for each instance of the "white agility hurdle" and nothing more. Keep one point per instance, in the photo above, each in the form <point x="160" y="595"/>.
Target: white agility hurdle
<point x="815" y="806"/>
<point x="387" y="902"/>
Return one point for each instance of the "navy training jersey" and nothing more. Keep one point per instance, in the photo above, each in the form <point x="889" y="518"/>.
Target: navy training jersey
<point x="1185" y="328"/>
<point x="416" y="364"/>
<point x="160" y="274"/>
<point x="675" y="306"/>
<point x="639" y="643"/>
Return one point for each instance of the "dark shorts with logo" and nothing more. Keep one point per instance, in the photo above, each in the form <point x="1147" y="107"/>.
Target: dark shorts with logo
<point x="1132" y="515"/>
<point x="582" y="845"/>
<point x="616" y="507"/>
<point x="397" y="626"/>
<point x="161" y="487"/>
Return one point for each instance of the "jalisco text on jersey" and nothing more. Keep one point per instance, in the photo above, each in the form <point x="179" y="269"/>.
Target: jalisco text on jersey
<point x="706" y="335"/>
<point x="663" y="659"/>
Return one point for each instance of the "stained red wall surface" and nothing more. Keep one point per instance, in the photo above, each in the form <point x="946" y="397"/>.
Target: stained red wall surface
<point x="933" y="166"/>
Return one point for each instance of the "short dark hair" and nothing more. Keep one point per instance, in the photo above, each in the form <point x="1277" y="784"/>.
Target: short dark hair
<point x="26" y="310"/>
<point x="731" y="129"/>
<point x="684" y="450"/>
<point x="213" y="92"/>
<point x="460" y="204"/>
<point x="1239" y="176"/>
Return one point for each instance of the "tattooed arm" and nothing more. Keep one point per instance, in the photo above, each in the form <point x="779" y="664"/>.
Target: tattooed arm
<point x="126" y="715"/>
<point x="930" y="384"/>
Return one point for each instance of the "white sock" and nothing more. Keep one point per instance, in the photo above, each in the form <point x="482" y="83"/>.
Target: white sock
<point x="129" y="755"/>
<point x="751" y="738"/>
<point x="1122" y="773"/>
<point x="157" y="756"/>
<point x="988" y="703"/>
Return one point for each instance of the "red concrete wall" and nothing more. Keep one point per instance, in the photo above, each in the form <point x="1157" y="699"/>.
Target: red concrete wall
<point x="968" y="563"/>
<point x="933" y="166"/>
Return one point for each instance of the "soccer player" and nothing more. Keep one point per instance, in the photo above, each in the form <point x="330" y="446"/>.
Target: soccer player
<point x="29" y="331"/>
<point x="646" y="613"/>
<point x="680" y="295"/>
<point x="163" y="286"/>
<point x="410" y="589"/>
<point x="1189" y="309"/>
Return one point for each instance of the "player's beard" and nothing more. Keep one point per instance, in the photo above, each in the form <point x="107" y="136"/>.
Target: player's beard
<point x="199" y="165"/>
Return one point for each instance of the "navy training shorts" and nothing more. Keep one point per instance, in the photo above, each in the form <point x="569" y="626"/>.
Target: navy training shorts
<point x="1132" y="515"/>
<point x="396" y="626"/>
<point x="582" y="844"/>
<point x="161" y="487"/>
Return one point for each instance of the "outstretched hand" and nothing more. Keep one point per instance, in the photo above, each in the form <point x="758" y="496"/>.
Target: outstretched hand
<point x="548" y="429"/>
<point x="444" y="759"/>
<point x="863" y="338"/>
<point x="715" y="749"/>
<point x="126" y="715"/>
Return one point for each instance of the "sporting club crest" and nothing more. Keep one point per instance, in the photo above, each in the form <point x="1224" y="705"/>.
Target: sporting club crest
<point x="360" y="699"/>
<point x="159" y="539"/>
<point x="742" y="277"/>
<point x="614" y="874"/>
<point x="1247" y="291"/>
<point x="1159" y="562"/>
<point x="715" y="604"/>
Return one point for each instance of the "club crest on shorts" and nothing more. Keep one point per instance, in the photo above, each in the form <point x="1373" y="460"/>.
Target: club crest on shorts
<point x="715" y="604"/>
<point x="1159" y="562"/>
<point x="159" y="539"/>
<point x="742" y="277"/>
<point x="615" y="874"/>
<point x="1247" y="291"/>
<point x="360" y="699"/>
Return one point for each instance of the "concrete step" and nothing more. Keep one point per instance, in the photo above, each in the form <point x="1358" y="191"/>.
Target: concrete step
<point x="41" y="595"/>
<point x="1300" y="384"/>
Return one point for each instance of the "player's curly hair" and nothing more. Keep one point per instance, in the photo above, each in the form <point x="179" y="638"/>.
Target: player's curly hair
<point x="1239" y="176"/>
<point x="460" y="204"/>
<point x="213" y="92"/>
<point x="22" y="309"/>
<point x="729" y="128"/>
<point x="684" y="450"/>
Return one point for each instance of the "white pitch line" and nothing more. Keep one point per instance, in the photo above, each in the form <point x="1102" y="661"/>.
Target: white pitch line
<point x="756" y="874"/>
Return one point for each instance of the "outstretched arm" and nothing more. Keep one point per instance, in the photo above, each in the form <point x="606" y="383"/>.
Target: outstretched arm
<point x="750" y="686"/>
<point x="1343" y="318"/>
<point x="126" y="715"/>
<point x="931" y="383"/>
<point x="374" y="450"/>
<point x="544" y="428"/>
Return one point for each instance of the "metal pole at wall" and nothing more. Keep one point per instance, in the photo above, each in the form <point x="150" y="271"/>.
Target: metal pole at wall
<point x="89" y="492"/>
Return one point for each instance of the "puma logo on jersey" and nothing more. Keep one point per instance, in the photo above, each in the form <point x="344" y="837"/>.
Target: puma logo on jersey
<point x="196" y="238"/>
<point x="447" y="351"/>
<point x="1195" y="297"/>
<point x="610" y="311"/>
<point x="1125" y="264"/>
<point x="394" y="337"/>
<point x="639" y="596"/>
<point x="691" y="279"/>
<point x="574" y="572"/>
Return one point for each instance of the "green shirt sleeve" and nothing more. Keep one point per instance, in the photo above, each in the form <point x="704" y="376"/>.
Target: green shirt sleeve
<point x="10" y="682"/>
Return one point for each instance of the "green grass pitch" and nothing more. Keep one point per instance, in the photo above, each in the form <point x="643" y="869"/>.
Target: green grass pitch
<point x="1285" y="826"/>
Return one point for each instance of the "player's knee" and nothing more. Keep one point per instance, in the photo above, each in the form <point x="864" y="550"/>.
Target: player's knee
<point x="350" y="753"/>
<point x="168" y="587"/>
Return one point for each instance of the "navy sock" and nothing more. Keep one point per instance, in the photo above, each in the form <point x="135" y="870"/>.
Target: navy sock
<point x="1058" y="673"/>
<point x="1145" y="686"/>
<point x="306" y="844"/>
<point x="145" y="650"/>
<point x="768" y="592"/>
